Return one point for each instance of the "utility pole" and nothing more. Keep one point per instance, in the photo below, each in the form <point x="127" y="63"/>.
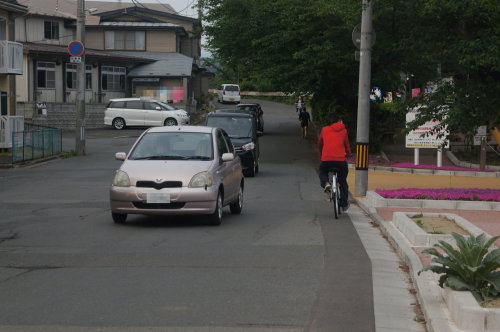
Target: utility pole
<point x="363" y="124"/>
<point x="80" y="83"/>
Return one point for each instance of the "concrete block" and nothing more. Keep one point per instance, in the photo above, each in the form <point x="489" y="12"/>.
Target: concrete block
<point x="409" y="203"/>
<point x="492" y="320"/>
<point x="444" y="172"/>
<point x="473" y="205"/>
<point x="465" y="311"/>
<point x="439" y="204"/>
<point x="423" y="171"/>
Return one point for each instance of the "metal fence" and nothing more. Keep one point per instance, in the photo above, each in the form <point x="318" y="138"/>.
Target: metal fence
<point x="35" y="142"/>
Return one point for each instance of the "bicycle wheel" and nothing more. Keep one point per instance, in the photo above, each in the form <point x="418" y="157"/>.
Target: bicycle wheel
<point x="335" y="203"/>
<point x="339" y="209"/>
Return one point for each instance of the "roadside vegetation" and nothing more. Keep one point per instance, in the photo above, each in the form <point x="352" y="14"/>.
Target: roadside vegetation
<point x="306" y="48"/>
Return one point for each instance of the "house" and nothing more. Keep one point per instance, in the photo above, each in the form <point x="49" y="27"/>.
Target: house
<point x="130" y="50"/>
<point x="11" y="55"/>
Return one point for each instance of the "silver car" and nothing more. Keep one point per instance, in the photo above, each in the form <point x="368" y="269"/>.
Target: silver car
<point x="178" y="170"/>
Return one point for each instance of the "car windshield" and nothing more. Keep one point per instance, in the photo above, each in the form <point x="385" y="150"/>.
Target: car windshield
<point x="168" y="107"/>
<point x="236" y="127"/>
<point x="247" y="109"/>
<point x="174" y="146"/>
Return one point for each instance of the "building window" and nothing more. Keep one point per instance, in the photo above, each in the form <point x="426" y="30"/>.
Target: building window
<point x="125" y="40"/>
<point x="113" y="78"/>
<point x="71" y="73"/>
<point x="46" y="75"/>
<point x="51" y="30"/>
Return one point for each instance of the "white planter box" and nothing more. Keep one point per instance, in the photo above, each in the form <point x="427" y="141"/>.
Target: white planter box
<point x="420" y="238"/>
<point x="468" y="315"/>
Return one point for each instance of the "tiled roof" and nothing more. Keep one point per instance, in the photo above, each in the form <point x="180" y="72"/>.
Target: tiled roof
<point x="167" y="65"/>
<point x="63" y="50"/>
<point x="67" y="8"/>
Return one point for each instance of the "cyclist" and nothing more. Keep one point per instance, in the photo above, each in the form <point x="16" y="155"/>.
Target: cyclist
<point x="333" y="146"/>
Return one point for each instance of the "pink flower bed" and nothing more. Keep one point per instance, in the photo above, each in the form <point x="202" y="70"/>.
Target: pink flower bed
<point x="465" y="194"/>
<point x="447" y="168"/>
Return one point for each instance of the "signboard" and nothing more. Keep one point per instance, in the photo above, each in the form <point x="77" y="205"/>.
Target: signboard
<point x="76" y="48"/>
<point x="75" y="59"/>
<point x="423" y="136"/>
<point x="41" y="108"/>
<point x="480" y="133"/>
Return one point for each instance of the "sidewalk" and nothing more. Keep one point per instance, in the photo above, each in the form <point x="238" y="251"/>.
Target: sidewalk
<point x="484" y="216"/>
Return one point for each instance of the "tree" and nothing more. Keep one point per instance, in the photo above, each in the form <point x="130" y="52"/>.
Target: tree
<point x="305" y="47"/>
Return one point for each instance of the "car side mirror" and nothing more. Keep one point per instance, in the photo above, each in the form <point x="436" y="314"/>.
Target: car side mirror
<point x="120" y="156"/>
<point x="227" y="156"/>
<point x="259" y="133"/>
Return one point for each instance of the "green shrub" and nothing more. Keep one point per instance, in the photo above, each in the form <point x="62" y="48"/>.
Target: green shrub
<point x="472" y="268"/>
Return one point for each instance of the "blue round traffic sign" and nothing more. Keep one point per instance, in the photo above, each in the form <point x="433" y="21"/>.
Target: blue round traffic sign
<point x="76" y="48"/>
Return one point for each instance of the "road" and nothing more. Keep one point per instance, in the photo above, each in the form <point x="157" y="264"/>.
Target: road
<point x="284" y="264"/>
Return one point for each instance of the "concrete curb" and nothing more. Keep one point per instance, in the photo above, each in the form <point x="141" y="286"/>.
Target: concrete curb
<point x="459" y="163"/>
<point x="494" y="174"/>
<point x="376" y="200"/>
<point x="428" y="291"/>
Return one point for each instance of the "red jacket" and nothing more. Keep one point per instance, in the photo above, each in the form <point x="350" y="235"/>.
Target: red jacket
<point x="333" y="143"/>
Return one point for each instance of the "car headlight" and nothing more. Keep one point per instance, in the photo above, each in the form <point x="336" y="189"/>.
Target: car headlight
<point x="249" y="146"/>
<point x="121" y="179"/>
<point x="201" y="180"/>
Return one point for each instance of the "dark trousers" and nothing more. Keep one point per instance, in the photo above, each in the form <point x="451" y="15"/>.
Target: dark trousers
<point x="342" y="171"/>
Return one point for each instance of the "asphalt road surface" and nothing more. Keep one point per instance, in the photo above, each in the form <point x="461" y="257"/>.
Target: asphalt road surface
<point x="284" y="264"/>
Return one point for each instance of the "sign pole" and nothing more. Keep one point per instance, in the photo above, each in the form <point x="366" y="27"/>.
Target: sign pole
<point x="80" y="83"/>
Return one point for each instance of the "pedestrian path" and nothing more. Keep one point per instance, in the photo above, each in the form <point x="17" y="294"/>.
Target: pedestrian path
<point x="396" y="308"/>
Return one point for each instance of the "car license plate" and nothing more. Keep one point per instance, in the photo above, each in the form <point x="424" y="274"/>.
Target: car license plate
<point x="158" y="198"/>
<point x="231" y="99"/>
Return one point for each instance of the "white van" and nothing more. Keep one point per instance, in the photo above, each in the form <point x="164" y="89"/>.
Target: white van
<point x="229" y="93"/>
<point x="124" y="112"/>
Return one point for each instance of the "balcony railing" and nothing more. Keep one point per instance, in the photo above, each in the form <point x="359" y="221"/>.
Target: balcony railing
<point x="11" y="57"/>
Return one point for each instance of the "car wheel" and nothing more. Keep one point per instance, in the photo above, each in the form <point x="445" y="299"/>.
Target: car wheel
<point x="216" y="217"/>
<point x="237" y="205"/>
<point x="170" y="122"/>
<point x="119" y="218"/>
<point x="118" y="123"/>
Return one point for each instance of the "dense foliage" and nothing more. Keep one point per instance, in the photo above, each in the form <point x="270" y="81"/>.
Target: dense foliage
<point x="306" y="47"/>
<point x="470" y="268"/>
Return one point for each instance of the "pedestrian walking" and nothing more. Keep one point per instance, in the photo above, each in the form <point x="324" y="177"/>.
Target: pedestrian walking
<point x="304" y="119"/>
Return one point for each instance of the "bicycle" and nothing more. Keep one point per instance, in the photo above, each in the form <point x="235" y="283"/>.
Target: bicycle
<point x="334" y="192"/>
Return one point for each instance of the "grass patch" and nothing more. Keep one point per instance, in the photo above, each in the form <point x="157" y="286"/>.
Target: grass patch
<point x="68" y="154"/>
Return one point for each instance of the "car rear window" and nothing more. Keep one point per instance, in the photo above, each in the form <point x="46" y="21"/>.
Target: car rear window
<point x="232" y="88"/>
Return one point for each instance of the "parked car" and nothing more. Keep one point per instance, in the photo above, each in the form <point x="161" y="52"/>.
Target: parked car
<point x="242" y="129"/>
<point x="255" y="109"/>
<point x="178" y="170"/>
<point x="124" y="112"/>
<point x="229" y="93"/>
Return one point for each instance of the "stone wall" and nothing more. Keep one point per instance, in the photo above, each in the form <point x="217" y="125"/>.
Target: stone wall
<point x="61" y="115"/>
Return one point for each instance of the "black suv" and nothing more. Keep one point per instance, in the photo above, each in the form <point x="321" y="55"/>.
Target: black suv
<point x="256" y="110"/>
<point x="242" y="129"/>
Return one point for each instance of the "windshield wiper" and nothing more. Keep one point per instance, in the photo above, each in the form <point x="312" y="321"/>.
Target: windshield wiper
<point x="199" y="157"/>
<point x="162" y="158"/>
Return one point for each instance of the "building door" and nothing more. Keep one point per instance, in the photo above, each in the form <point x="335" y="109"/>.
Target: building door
<point x="3" y="102"/>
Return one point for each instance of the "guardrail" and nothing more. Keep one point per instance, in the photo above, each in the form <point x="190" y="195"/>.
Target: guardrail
<point x="35" y="142"/>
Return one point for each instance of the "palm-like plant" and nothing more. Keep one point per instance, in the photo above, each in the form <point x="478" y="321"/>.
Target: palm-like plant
<point x="470" y="268"/>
